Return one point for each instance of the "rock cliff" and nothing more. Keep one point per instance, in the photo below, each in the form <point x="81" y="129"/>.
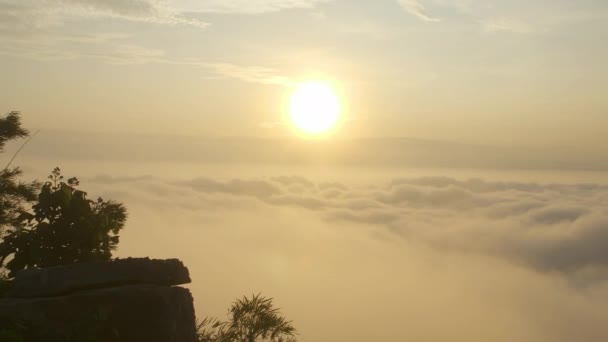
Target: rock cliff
<point x="129" y="300"/>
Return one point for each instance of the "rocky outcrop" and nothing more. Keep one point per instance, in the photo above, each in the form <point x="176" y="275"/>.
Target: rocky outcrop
<point x="55" y="281"/>
<point x="126" y="300"/>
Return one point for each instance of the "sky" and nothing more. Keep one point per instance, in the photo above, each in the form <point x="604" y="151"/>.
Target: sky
<point x="462" y="196"/>
<point x="500" y="72"/>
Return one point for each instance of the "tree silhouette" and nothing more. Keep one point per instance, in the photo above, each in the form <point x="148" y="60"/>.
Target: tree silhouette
<point x="250" y="320"/>
<point x="65" y="227"/>
<point x="14" y="194"/>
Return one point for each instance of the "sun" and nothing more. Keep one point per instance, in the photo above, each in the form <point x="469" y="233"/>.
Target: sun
<point x="314" y="107"/>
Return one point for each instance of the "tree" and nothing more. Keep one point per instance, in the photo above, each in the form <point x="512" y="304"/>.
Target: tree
<point x="211" y="330"/>
<point x="250" y="320"/>
<point x="14" y="194"/>
<point x="65" y="227"/>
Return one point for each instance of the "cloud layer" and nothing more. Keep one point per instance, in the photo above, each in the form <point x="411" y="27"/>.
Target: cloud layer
<point x="548" y="227"/>
<point x="456" y="259"/>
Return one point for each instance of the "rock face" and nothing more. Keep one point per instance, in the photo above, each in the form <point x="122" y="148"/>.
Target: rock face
<point x="54" y="281"/>
<point x="127" y="300"/>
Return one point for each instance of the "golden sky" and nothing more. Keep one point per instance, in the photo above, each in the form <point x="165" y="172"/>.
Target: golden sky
<point x="491" y="71"/>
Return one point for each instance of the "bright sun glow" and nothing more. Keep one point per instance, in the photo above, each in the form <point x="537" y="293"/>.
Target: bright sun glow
<point x="314" y="107"/>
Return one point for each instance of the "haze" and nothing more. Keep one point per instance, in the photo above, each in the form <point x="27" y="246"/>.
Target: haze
<point x="463" y="196"/>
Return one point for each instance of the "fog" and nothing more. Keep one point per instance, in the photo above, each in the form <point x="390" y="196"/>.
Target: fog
<point x="385" y="254"/>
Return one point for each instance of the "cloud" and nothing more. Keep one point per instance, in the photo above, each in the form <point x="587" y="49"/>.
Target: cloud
<point x="118" y="49"/>
<point x="111" y="49"/>
<point x="325" y="245"/>
<point x="517" y="17"/>
<point x="248" y="6"/>
<point x="252" y="74"/>
<point x="417" y="9"/>
<point x="152" y="11"/>
<point x="254" y="188"/>
<point x="122" y="8"/>
<point x="506" y="25"/>
<point x="553" y="215"/>
<point x="36" y="29"/>
<point x="32" y="16"/>
<point x="546" y="227"/>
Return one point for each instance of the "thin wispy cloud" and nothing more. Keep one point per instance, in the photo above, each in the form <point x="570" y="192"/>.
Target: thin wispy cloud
<point x="251" y="74"/>
<point x="508" y="17"/>
<point x="417" y="9"/>
<point x="248" y="6"/>
<point x="30" y="15"/>
<point x="152" y="11"/>
<point x="107" y="48"/>
<point x="117" y="49"/>
<point x="29" y="31"/>
<point x="506" y="25"/>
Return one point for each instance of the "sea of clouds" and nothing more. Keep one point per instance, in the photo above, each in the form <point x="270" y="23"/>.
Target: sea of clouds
<point x="389" y="258"/>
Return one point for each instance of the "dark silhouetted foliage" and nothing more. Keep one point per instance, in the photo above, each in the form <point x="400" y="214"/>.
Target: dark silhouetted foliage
<point x="250" y="320"/>
<point x="5" y="284"/>
<point x="65" y="227"/>
<point x="14" y="194"/>
<point x="10" y="335"/>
